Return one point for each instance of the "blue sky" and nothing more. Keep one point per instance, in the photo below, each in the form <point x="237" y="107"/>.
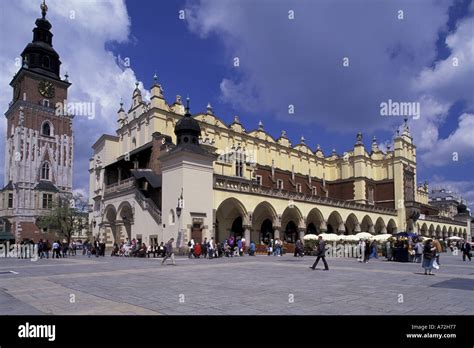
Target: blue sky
<point x="282" y="62"/>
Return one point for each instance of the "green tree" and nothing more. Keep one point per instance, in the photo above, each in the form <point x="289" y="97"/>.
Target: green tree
<point x="69" y="214"/>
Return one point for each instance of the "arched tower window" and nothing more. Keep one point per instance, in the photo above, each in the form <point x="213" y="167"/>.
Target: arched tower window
<point x="46" y="129"/>
<point x="134" y="142"/>
<point x="46" y="62"/>
<point x="45" y="171"/>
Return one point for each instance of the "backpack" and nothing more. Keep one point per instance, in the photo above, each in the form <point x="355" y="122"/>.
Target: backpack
<point x="189" y="243"/>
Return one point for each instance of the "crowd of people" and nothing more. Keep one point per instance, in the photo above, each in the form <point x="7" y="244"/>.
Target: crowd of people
<point x="230" y="247"/>
<point x="399" y="248"/>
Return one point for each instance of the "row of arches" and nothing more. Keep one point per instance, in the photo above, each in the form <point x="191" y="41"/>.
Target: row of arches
<point x="119" y="221"/>
<point x="264" y="223"/>
<point x="441" y="232"/>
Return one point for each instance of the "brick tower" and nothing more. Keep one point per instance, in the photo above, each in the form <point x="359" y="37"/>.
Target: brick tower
<point x="38" y="140"/>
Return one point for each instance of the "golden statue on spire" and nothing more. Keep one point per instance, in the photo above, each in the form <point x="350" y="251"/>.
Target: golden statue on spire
<point x="44" y="8"/>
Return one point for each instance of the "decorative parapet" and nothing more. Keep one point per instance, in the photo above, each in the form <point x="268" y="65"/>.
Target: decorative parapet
<point x="123" y="185"/>
<point x="226" y="183"/>
<point x="444" y="220"/>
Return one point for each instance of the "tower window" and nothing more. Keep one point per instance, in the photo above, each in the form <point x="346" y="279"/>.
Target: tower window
<point x="46" y="62"/>
<point x="314" y="191"/>
<point x="134" y="142"/>
<point x="47" y="201"/>
<point x="46" y="129"/>
<point x="10" y="200"/>
<point x="259" y="180"/>
<point x="46" y="103"/>
<point x="45" y="171"/>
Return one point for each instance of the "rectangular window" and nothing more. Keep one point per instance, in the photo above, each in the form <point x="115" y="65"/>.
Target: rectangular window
<point x="239" y="168"/>
<point x="280" y="184"/>
<point x="47" y="201"/>
<point x="371" y="195"/>
<point x="10" y="200"/>
<point x="259" y="180"/>
<point x="298" y="188"/>
<point x="314" y="191"/>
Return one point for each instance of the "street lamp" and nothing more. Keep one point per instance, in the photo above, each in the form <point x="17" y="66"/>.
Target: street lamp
<point x="179" y="209"/>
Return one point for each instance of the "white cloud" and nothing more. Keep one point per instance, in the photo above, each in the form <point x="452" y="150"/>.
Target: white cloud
<point x="442" y="86"/>
<point x="458" y="146"/>
<point x="81" y="30"/>
<point x="463" y="189"/>
<point x="299" y="61"/>
<point x="449" y="80"/>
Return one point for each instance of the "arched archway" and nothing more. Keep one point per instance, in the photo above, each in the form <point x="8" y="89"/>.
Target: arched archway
<point x="391" y="226"/>
<point x="335" y="223"/>
<point x="450" y="231"/>
<point x="315" y="222"/>
<point x="438" y="231"/>
<point x="424" y="230"/>
<point x="125" y="214"/>
<point x="237" y="229"/>
<point x="352" y="225"/>
<point x="291" y="220"/>
<point x="267" y="231"/>
<point x="290" y="234"/>
<point x="431" y="231"/>
<point x="227" y="219"/>
<point x="444" y="232"/>
<point x="367" y="225"/>
<point x="264" y="217"/>
<point x="312" y="229"/>
<point x="110" y="221"/>
<point x="379" y="227"/>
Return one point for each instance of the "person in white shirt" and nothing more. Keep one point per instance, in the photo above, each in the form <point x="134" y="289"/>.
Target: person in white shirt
<point x="191" y="248"/>
<point x="211" y="248"/>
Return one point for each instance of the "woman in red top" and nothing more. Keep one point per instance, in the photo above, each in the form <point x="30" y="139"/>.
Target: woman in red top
<point x="197" y="250"/>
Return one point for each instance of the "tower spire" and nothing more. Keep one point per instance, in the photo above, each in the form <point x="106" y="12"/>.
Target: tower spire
<point x="187" y="107"/>
<point x="44" y="9"/>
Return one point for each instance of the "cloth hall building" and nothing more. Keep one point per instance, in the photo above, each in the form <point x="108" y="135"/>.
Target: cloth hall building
<point x="166" y="173"/>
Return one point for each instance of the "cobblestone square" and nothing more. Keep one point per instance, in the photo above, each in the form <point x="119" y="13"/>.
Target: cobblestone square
<point x="236" y="286"/>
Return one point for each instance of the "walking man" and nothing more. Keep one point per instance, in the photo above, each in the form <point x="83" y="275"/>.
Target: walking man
<point x="169" y="252"/>
<point x="466" y="250"/>
<point x="320" y="253"/>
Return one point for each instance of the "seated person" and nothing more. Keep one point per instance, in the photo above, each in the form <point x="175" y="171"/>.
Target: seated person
<point x="197" y="250"/>
<point x="161" y="250"/>
<point x="150" y="250"/>
<point x="142" y="251"/>
<point x="115" y="250"/>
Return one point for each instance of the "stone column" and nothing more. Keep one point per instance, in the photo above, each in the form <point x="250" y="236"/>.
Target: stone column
<point x="247" y="235"/>
<point x="342" y="228"/>
<point x="301" y="232"/>
<point x="323" y="227"/>
<point x="277" y="232"/>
